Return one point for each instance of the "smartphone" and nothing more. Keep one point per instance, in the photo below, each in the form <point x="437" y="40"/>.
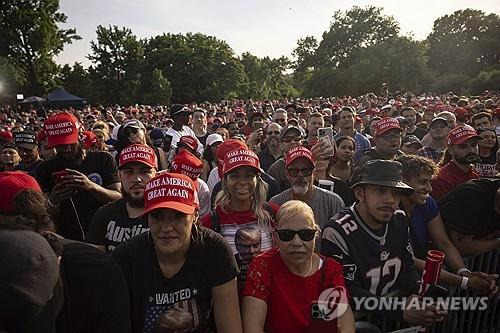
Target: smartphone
<point x="167" y="142"/>
<point x="57" y="176"/>
<point x="326" y="132"/>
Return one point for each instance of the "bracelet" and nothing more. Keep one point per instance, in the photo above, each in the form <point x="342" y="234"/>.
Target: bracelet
<point x="463" y="284"/>
<point x="463" y="270"/>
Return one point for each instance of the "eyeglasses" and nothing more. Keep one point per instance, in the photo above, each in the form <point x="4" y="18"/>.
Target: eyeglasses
<point x="286" y="235"/>
<point x="288" y="139"/>
<point x="293" y="172"/>
<point x="439" y="126"/>
<point x="280" y="120"/>
<point x="273" y="133"/>
<point x="391" y="137"/>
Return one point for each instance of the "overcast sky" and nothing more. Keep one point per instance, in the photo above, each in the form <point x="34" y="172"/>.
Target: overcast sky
<point x="262" y="27"/>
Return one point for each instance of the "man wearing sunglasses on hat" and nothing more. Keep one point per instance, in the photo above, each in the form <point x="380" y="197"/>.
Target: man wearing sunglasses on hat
<point x="370" y="239"/>
<point x="299" y="171"/>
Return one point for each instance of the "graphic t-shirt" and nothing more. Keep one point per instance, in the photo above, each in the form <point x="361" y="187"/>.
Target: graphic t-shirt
<point x="112" y="226"/>
<point x="244" y="234"/>
<point x="182" y="303"/>
<point x="290" y="298"/>
<point x="99" y="167"/>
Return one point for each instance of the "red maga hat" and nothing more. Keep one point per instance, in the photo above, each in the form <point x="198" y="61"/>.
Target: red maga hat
<point x="171" y="190"/>
<point x="62" y="129"/>
<point x="298" y="152"/>
<point x="189" y="141"/>
<point x="187" y="164"/>
<point x="89" y="139"/>
<point x="138" y="153"/>
<point x="460" y="134"/>
<point x="13" y="182"/>
<point x="386" y="124"/>
<point x="240" y="157"/>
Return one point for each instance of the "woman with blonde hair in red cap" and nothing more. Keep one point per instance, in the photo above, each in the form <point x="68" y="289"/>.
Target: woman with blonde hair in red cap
<point x="241" y="204"/>
<point x="178" y="272"/>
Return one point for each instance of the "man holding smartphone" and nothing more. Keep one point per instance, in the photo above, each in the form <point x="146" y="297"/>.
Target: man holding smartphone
<point x="77" y="182"/>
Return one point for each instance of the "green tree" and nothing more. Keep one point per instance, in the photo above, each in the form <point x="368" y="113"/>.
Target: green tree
<point x="350" y="31"/>
<point x="485" y="80"/>
<point x="199" y="67"/>
<point x="76" y="80"/>
<point x="30" y="37"/>
<point x="157" y="90"/>
<point x="457" y="83"/>
<point x="466" y="42"/>
<point x="117" y="59"/>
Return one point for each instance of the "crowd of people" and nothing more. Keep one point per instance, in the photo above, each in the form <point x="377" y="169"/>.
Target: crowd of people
<point x="237" y="216"/>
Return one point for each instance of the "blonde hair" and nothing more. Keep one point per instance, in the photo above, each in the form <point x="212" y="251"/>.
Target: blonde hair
<point x="223" y="199"/>
<point x="293" y="208"/>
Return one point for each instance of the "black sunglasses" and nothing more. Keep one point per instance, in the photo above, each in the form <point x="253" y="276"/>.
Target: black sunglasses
<point x="273" y="132"/>
<point x="295" y="172"/>
<point x="286" y="235"/>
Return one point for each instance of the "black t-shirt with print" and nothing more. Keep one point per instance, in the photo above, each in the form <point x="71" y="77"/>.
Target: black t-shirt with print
<point x="112" y="226"/>
<point x="95" y="291"/>
<point x="99" y="167"/>
<point x="188" y="294"/>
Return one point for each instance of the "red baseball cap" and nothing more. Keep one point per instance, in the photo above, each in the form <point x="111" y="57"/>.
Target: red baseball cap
<point x="89" y="139"/>
<point x="298" y="152"/>
<point x="13" y="182"/>
<point x="223" y="149"/>
<point x="42" y="135"/>
<point x="460" y="134"/>
<point x="187" y="164"/>
<point x="138" y="153"/>
<point x="62" y="129"/>
<point x="188" y="141"/>
<point x="240" y="157"/>
<point x="386" y="124"/>
<point x="7" y="135"/>
<point x="460" y="112"/>
<point x="171" y="190"/>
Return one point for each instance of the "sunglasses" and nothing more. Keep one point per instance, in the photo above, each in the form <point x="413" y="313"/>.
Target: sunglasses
<point x="273" y="133"/>
<point x="286" y="235"/>
<point x="288" y="139"/>
<point x="391" y="137"/>
<point x="293" y="172"/>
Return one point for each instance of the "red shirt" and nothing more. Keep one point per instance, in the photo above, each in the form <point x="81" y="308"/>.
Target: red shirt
<point x="449" y="177"/>
<point x="290" y="297"/>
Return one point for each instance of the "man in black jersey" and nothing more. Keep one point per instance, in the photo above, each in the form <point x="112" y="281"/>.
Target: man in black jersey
<point x="124" y="218"/>
<point x="370" y="239"/>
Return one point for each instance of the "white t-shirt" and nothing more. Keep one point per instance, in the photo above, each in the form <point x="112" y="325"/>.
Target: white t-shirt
<point x="176" y="136"/>
<point x="203" y="197"/>
<point x="213" y="179"/>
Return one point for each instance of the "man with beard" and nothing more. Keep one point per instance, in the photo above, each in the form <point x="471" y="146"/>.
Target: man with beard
<point x="28" y="150"/>
<point x="387" y="138"/>
<point x="346" y="123"/>
<point x="463" y="152"/>
<point x="299" y="171"/>
<point x="272" y="149"/>
<point x="370" y="240"/>
<point x="410" y="114"/>
<point x="124" y="218"/>
<point x="77" y="182"/>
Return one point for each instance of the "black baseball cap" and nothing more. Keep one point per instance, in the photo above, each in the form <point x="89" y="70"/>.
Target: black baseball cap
<point x="384" y="173"/>
<point x="25" y="139"/>
<point x="177" y="109"/>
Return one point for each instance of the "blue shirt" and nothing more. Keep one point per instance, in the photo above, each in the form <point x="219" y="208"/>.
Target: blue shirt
<point x="362" y="144"/>
<point x="420" y="218"/>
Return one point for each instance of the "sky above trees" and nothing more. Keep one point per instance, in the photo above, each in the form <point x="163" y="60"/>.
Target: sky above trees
<point x="261" y="27"/>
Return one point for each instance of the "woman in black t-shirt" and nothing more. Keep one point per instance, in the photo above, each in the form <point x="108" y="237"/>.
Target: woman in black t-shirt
<point x="177" y="271"/>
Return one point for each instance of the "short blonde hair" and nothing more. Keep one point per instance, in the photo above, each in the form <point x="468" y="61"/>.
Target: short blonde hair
<point x="293" y="208"/>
